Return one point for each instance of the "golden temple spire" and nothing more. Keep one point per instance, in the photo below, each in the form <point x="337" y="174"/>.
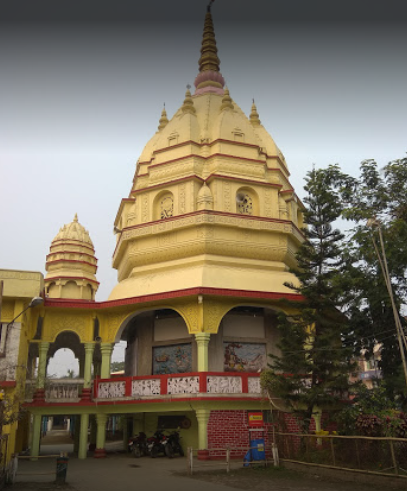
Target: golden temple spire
<point x="188" y="105"/>
<point x="209" y="78"/>
<point x="254" y="115"/>
<point x="209" y="52"/>
<point x="75" y="218"/>
<point x="163" y="120"/>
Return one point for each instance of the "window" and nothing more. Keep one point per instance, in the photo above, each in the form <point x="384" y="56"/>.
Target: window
<point x="166" y="207"/>
<point x="3" y="337"/>
<point x="244" y="204"/>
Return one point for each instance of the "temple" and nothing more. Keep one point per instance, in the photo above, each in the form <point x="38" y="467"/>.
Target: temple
<point x="205" y="242"/>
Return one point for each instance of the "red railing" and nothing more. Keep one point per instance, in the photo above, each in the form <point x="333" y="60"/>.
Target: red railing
<point x="179" y="383"/>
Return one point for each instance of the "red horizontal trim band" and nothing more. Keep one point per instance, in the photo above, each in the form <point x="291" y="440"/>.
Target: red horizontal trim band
<point x="229" y="178"/>
<point x="72" y="261"/>
<point x="209" y="157"/>
<point x="174" y="401"/>
<point x="200" y="145"/>
<point x="72" y="242"/>
<point x="71" y="252"/>
<point x="207" y="212"/>
<point x="71" y="278"/>
<point x="60" y="404"/>
<point x="8" y="383"/>
<point x="188" y="292"/>
<point x="214" y="142"/>
<point x="122" y="202"/>
<point x="216" y="213"/>
<point x="167" y="183"/>
<point x="179" y="375"/>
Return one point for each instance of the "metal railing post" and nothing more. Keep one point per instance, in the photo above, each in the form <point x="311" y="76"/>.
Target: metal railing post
<point x="228" y="459"/>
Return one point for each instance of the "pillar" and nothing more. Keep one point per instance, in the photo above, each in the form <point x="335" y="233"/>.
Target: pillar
<point x="42" y="370"/>
<point x="138" y="423"/>
<point x="125" y="429"/>
<point x="36" y="437"/>
<point x="106" y="351"/>
<point x="87" y="372"/>
<point x="202" y="415"/>
<point x="202" y="341"/>
<point x="76" y="434"/>
<point x="101" y="420"/>
<point x="92" y="436"/>
<point x="83" y="437"/>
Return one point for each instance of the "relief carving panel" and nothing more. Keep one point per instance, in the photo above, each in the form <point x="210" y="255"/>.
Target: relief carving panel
<point x="223" y="385"/>
<point x="111" y="390"/>
<point x="149" y="387"/>
<point x="183" y="385"/>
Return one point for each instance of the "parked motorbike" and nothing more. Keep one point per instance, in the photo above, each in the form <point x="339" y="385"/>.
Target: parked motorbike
<point x="138" y="445"/>
<point x="158" y="443"/>
<point x="174" y="440"/>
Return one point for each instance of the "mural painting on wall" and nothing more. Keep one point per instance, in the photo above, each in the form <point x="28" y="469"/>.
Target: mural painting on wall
<point x="244" y="357"/>
<point x="172" y="359"/>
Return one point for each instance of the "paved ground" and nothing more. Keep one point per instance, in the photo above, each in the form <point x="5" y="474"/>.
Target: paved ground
<point x="122" y="472"/>
<point x="118" y="472"/>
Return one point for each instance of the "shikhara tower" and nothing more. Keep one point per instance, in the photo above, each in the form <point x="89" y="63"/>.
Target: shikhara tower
<point x="205" y="241"/>
<point x="211" y="205"/>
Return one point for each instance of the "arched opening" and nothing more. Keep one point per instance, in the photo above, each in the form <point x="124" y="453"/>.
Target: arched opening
<point x="247" y="201"/>
<point x="66" y="357"/>
<point x="70" y="290"/>
<point x="88" y="292"/>
<point x="52" y="290"/>
<point x="63" y="365"/>
<point x="163" y="206"/>
<point x="155" y="342"/>
<point x="246" y="335"/>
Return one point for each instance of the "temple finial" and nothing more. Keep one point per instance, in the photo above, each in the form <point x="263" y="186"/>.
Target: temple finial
<point x="209" y="78"/>
<point x="209" y="52"/>
<point x="163" y="120"/>
<point x="226" y="101"/>
<point x="188" y="105"/>
<point x="254" y="115"/>
<point x="75" y="218"/>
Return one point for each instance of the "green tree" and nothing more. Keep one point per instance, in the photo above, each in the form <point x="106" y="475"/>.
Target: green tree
<point x="312" y="372"/>
<point x="381" y="194"/>
<point x="116" y="366"/>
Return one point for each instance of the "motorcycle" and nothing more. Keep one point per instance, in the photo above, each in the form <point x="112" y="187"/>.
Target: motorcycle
<point x="175" y="443"/>
<point x="158" y="443"/>
<point x="138" y="445"/>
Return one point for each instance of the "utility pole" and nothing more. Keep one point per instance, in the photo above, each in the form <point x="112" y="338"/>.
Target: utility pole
<point x="385" y="270"/>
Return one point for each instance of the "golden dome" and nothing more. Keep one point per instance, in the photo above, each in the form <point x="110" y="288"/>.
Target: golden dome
<point x="71" y="264"/>
<point x="73" y="231"/>
<point x="210" y="123"/>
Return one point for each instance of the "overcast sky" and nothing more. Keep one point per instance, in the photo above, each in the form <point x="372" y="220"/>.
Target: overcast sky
<point x="82" y="86"/>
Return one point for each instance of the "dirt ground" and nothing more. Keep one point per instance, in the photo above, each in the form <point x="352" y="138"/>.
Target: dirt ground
<point x="261" y="479"/>
<point x="283" y="479"/>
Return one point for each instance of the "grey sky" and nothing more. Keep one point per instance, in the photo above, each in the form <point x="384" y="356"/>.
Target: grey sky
<point x="79" y="100"/>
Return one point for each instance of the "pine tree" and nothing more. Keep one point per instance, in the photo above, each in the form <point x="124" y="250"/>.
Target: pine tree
<point x="312" y="372"/>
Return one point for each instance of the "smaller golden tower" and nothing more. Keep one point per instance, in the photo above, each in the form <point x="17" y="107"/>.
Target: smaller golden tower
<point x="71" y="264"/>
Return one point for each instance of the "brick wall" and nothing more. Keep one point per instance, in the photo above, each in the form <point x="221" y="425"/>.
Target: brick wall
<point x="231" y="429"/>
